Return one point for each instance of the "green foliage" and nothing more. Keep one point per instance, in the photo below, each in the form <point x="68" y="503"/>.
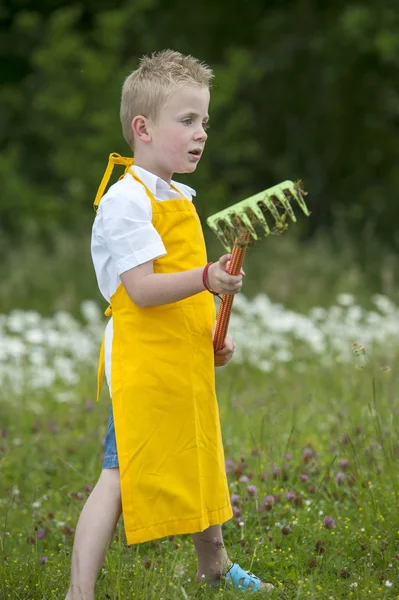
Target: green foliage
<point x="302" y="90"/>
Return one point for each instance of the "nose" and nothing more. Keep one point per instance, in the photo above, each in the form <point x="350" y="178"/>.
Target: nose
<point x="201" y="135"/>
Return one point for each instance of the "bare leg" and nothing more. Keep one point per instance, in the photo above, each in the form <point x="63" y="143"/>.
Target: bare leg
<point x="211" y="553"/>
<point x="213" y="560"/>
<point x="94" y="532"/>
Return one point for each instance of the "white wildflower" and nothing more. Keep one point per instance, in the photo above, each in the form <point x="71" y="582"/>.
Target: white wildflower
<point x="91" y="312"/>
<point x="345" y="299"/>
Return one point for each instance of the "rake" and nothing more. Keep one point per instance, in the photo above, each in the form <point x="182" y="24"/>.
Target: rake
<point x="242" y="225"/>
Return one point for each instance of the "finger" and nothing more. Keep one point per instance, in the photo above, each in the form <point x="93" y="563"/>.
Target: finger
<point x="223" y="351"/>
<point x="231" y="292"/>
<point x="223" y="260"/>
<point x="227" y="279"/>
<point x="228" y="266"/>
<point x="228" y="348"/>
<point x="232" y="288"/>
<point x="222" y="361"/>
<point x="229" y="344"/>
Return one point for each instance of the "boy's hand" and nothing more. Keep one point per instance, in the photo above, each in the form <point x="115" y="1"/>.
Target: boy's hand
<point x="225" y="354"/>
<point x="219" y="279"/>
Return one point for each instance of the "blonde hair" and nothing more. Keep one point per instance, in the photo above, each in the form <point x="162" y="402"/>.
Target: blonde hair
<point x="146" y="89"/>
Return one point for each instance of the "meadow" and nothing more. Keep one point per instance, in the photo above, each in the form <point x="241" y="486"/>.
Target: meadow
<point x="309" y="410"/>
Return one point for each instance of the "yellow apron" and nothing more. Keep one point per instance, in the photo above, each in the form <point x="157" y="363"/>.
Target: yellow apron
<point x="166" y="415"/>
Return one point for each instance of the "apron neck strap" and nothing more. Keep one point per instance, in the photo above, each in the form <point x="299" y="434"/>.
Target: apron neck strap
<point x="147" y="191"/>
<point x="113" y="159"/>
<point x="117" y="159"/>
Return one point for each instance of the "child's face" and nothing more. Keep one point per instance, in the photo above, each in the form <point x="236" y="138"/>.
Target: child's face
<point x="178" y="136"/>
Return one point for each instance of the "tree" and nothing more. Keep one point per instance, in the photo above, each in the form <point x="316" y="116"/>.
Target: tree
<point x="303" y="90"/>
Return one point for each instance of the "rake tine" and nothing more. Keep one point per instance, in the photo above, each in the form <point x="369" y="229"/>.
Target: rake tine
<point x="221" y="236"/>
<point x="268" y="202"/>
<point x="261" y="217"/>
<point x="230" y="233"/>
<point x="285" y="203"/>
<point x="247" y="222"/>
<point x="231" y="228"/>
<point x="299" y="198"/>
<point x="295" y="192"/>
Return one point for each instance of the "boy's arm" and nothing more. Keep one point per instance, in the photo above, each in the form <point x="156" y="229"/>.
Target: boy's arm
<point x="147" y="288"/>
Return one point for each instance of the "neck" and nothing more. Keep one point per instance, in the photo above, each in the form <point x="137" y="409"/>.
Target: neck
<point x="148" y="165"/>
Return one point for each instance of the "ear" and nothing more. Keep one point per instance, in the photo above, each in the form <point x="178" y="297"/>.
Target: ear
<point x="140" y="129"/>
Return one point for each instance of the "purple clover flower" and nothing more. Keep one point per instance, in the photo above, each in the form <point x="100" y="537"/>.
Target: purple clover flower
<point x="43" y="559"/>
<point x="307" y="454"/>
<point x="304" y="477"/>
<point x="269" y="503"/>
<point x="244" y="479"/>
<point x="276" y="472"/>
<point x="343" y="464"/>
<point x="329" y="523"/>
<point x="252" y="490"/>
<point x="235" y="499"/>
<point x="340" y="478"/>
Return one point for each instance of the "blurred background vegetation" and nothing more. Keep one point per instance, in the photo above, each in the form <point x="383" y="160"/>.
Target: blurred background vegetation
<point x="304" y="89"/>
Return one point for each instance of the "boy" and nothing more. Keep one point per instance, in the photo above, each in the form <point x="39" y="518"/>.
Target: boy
<point x="165" y="470"/>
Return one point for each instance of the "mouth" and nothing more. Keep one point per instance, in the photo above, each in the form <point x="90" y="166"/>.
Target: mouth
<point x="195" y="154"/>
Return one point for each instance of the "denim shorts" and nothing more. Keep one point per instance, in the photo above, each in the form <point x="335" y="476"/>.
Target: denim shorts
<point x="110" y="460"/>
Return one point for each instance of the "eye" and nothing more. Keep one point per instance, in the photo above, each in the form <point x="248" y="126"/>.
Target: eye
<point x="187" y="121"/>
<point x="206" y="125"/>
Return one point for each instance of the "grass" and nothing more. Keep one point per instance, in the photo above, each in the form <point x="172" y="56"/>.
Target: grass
<point x="322" y="443"/>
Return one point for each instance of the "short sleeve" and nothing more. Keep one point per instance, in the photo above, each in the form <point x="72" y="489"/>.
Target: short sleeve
<point x="129" y="233"/>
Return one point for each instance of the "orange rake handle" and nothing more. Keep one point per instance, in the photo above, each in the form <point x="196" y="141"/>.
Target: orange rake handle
<point x="222" y="323"/>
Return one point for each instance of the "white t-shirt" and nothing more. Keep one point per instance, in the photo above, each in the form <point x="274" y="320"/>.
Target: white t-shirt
<point x="123" y="236"/>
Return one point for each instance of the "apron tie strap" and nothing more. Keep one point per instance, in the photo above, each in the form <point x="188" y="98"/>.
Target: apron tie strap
<point x="113" y="159"/>
<point x="101" y="360"/>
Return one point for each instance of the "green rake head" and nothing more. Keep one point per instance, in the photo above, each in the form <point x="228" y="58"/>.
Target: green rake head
<point x="245" y="222"/>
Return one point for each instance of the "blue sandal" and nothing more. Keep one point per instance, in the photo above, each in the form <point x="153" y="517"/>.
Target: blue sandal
<point x="244" y="580"/>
